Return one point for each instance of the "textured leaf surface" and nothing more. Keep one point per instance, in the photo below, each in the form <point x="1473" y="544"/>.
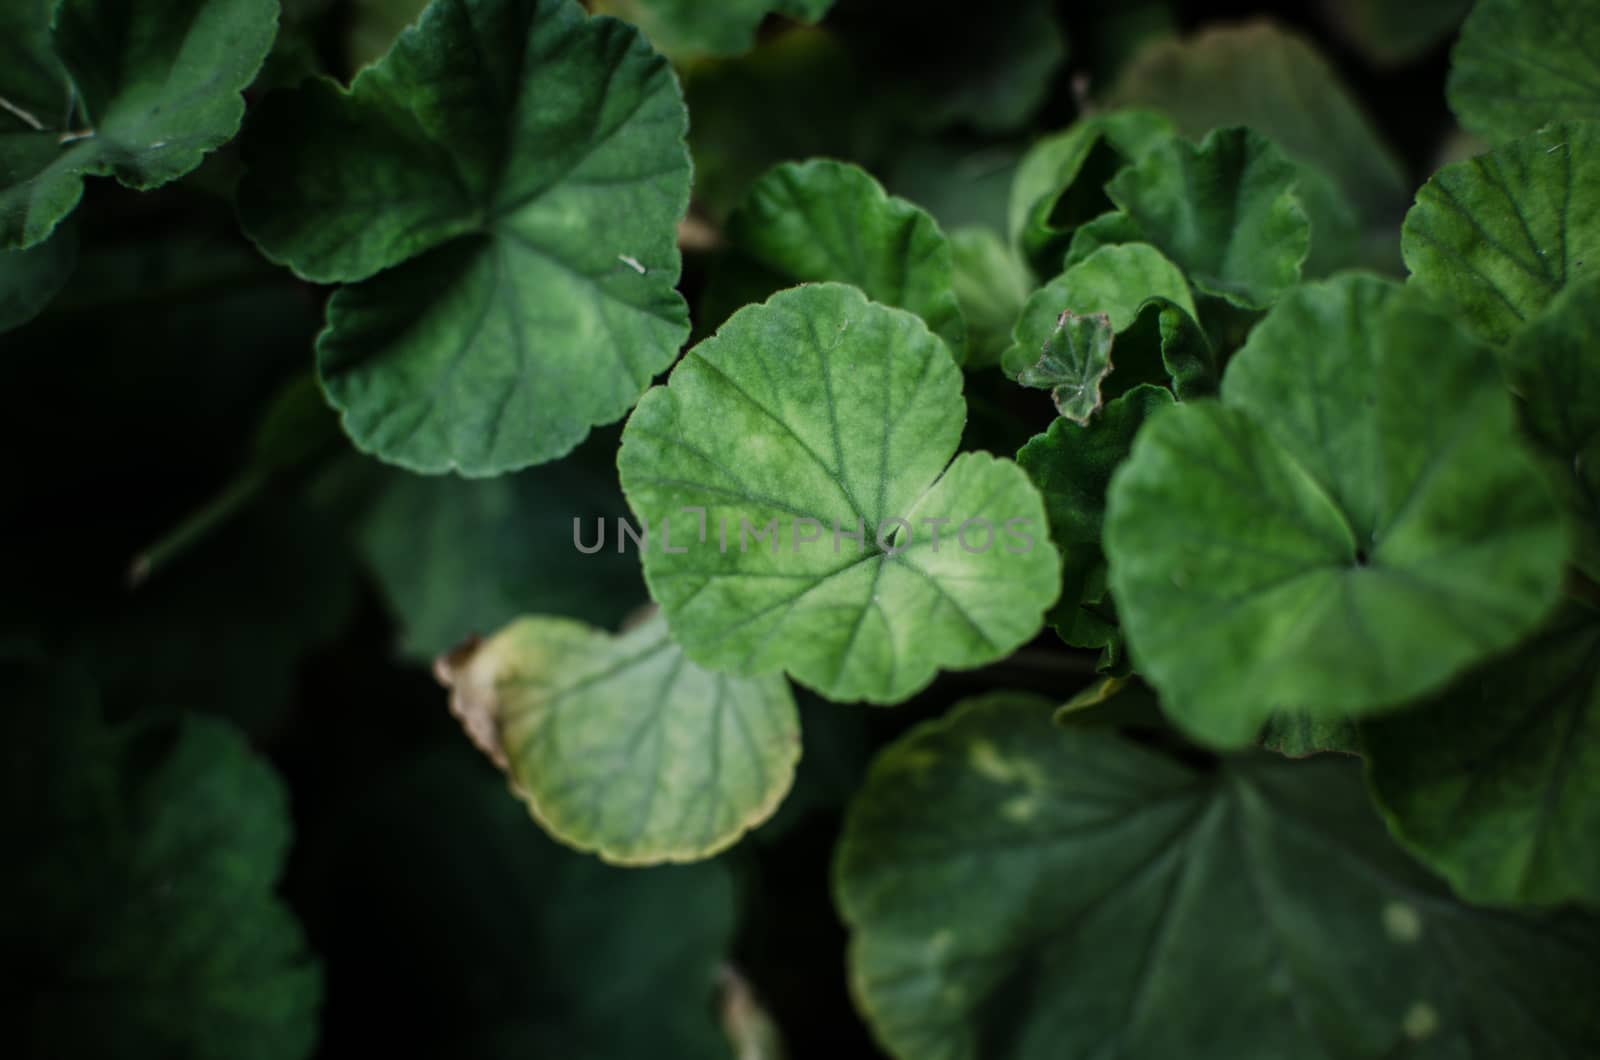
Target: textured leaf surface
<point x="1495" y="237"/>
<point x="502" y="190"/>
<point x="1352" y="526"/>
<point x="1521" y="64"/>
<point x="1022" y="890"/>
<point x="619" y="744"/>
<point x="139" y="892"/>
<point x="1060" y="182"/>
<point x="1075" y="358"/>
<point x="1273" y="81"/>
<point x="991" y="284"/>
<point x="496" y="942"/>
<point x="112" y="89"/>
<point x="457" y="557"/>
<point x="1072" y="464"/>
<point x="820" y="412"/>
<point x="1496" y="782"/>
<point x="1226" y="212"/>
<point x="1554" y="364"/>
<point x="30" y="278"/>
<point x="825" y="220"/>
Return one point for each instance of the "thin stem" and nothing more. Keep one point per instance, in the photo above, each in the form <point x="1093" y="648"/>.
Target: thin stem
<point x="29" y="119"/>
<point x="198" y="526"/>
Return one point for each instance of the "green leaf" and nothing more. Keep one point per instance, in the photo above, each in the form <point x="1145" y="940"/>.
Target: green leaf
<point x="962" y="180"/>
<point x="476" y="937"/>
<point x="511" y="217"/>
<point x="141" y="95"/>
<point x="1075" y="358"/>
<point x="1390" y="34"/>
<point x="1297" y="734"/>
<point x="1060" y="182"/>
<point x="817" y="415"/>
<point x="1024" y="890"/>
<point x="1496" y="782"/>
<point x="30" y="278"/>
<point x="1554" y="365"/>
<point x="1226" y="212"/>
<point x="1275" y="82"/>
<point x="991" y="284"/>
<point x="457" y="557"/>
<point x="1356" y="522"/>
<point x="1497" y="236"/>
<point x="1521" y="64"/>
<point x="826" y="220"/>
<point x="373" y="25"/>
<point x="1136" y="289"/>
<point x="139" y="893"/>
<point x="619" y="744"/>
<point x="687" y="30"/>
<point x="1071" y="464"/>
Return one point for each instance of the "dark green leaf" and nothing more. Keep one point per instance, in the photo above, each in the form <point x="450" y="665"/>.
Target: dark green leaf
<point x="1497" y="236"/>
<point x="691" y="29"/>
<point x="1075" y="358"/>
<point x="1521" y="64"/>
<point x="1025" y="891"/>
<point x="512" y="215"/>
<point x="1355" y="524"/>
<point x="30" y="278"/>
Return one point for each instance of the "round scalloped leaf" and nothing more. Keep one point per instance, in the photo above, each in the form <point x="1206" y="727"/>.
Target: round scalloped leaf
<point x="1356" y="523"/>
<point x="1554" y="364"/>
<point x="1497" y="236"/>
<point x="140" y="92"/>
<point x="619" y="744"/>
<point x="1521" y="64"/>
<point x="1274" y="81"/>
<point x="1496" y="782"/>
<point x="825" y="220"/>
<point x="1226" y="212"/>
<point x="1025" y="890"/>
<point x="506" y="185"/>
<point x="815" y="416"/>
<point x="142" y="865"/>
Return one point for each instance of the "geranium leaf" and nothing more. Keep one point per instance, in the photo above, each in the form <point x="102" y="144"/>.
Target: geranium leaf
<point x="817" y="415"/>
<point x="991" y="283"/>
<point x="1520" y="64"/>
<point x="1226" y="212"/>
<point x="1341" y="533"/>
<point x="1060" y="182"/>
<point x="1496" y="782"/>
<point x="1071" y="464"/>
<point x="1133" y="286"/>
<point x="1495" y="237"/>
<point x="687" y="30"/>
<point x="619" y="744"/>
<point x="1554" y="364"/>
<point x="30" y="278"/>
<point x="511" y="215"/>
<point x="1020" y="889"/>
<point x="1075" y="358"/>
<point x="1275" y="82"/>
<point x="141" y="890"/>
<point x="107" y="89"/>
<point x="826" y="220"/>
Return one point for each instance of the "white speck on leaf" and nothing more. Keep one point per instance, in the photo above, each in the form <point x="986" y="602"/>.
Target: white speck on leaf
<point x="632" y="263"/>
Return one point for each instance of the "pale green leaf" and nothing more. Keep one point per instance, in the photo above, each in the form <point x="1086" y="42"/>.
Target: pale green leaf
<point x="621" y="745"/>
<point x="817" y="415"/>
<point x="826" y="220"/>
<point x="1496" y="782"/>
<point x="1226" y="212"/>
<point x="139" y="92"/>
<point x="991" y="283"/>
<point x="1018" y="890"/>
<point x="506" y="185"/>
<point x="1495" y="237"/>
<point x="1355" y="524"/>
<point x="1074" y="359"/>
<point x="1521" y="64"/>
